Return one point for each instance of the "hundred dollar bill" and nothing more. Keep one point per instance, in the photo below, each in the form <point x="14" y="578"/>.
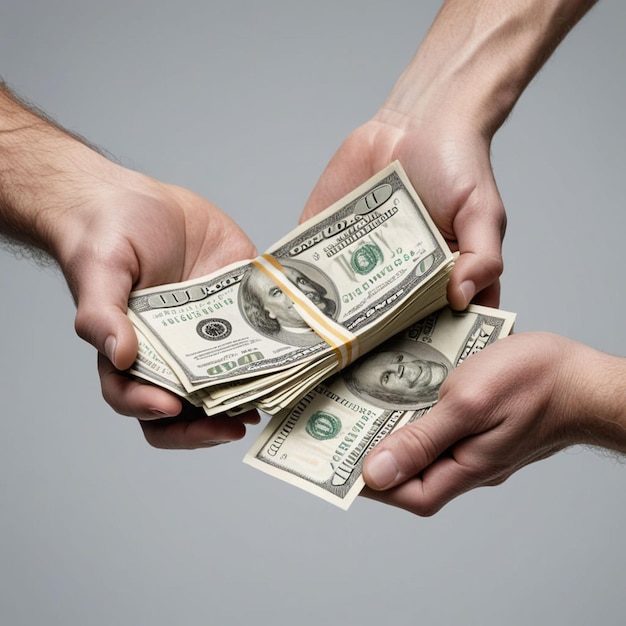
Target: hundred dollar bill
<point x="331" y="289"/>
<point x="319" y="444"/>
<point x="150" y="366"/>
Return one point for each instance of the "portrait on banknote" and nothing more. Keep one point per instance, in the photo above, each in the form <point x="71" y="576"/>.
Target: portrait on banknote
<point x="271" y="312"/>
<point x="403" y="375"/>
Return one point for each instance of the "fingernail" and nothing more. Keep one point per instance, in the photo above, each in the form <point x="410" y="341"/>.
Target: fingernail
<point x="468" y="289"/>
<point x="215" y="442"/>
<point x="382" y="470"/>
<point x="109" y="348"/>
<point x="158" y="413"/>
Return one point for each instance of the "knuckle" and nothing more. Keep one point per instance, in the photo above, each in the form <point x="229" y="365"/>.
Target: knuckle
<point x="495" y="481"/>
<point x="152" y="441"/>
<point x="426" y="509"/>
<point x="494" y="265"/>
<point x="464" y="400"/>
<point x="153" y="434"/>
<point x="82" y="325"/>
<point x="417" y="446"/>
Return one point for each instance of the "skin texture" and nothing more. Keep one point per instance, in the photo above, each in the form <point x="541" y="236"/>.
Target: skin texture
<point x="439" y="121"/>
<point x="518" y="401"/>
<point x="512" y="404"/>
<point x="112" y="230"/>
<point x="452" y="173"/>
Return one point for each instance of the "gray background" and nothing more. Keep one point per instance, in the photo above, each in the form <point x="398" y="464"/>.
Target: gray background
<point x="99" y="528"/>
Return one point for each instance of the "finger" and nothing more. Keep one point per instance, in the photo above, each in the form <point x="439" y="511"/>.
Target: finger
<point x="460" y="470"/>
<point x="128" y="396"/>
<point x="489" y="296"/>
<point x="438" y="484"/>
<point x="248" y="417"/>
<point x="475" y="274"/>
<point x="479" y="266"/>
<point x="184" y="434"/>
<point x="101" y="320"/>
<point x="410" y="449"/>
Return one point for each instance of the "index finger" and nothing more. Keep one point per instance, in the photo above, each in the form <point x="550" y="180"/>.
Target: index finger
<point x="479" y="233"/>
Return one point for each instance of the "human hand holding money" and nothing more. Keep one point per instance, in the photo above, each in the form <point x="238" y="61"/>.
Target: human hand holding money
<point x="263" y="332"/>
<point x="319" y="444"/>
<point x="284" y="332"/>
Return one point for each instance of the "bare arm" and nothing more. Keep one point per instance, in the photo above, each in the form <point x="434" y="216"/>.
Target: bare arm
<point x="530" y="395"/>
<point x="439" y="121"/>
<point x="112" y="230"/>
<point x="44" y="170"/>
<point x="479" y="56"/>
<point x="519" y="401"/>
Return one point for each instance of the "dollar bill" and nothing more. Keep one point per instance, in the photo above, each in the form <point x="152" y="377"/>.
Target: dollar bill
<point x="330" y="290"/>
<point x="320" y="443"/>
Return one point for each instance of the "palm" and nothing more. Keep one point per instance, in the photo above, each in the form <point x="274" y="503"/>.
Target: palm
<point x="137" y="235"/>
<point x="165" y="234"/>
<point x="452" y="175"/>
<point x="192" y="241"/>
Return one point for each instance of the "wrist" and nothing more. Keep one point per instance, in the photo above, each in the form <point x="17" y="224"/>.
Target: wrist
<point x="477" y="59"/>
<point x="45" y="172"/>
<point x="598" y="391"/>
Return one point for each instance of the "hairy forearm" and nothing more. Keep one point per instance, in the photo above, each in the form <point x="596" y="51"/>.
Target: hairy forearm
<point x="44" y="172"/>
<point x="596" y="393"/>
<point x="479" y="56"/>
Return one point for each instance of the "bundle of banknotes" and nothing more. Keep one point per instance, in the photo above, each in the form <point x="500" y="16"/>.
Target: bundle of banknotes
<point x="264" y="332"/>
<point x="320" y="443"/>
<point x="340" y="331"/>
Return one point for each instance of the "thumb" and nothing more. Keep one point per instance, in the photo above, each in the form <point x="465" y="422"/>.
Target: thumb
<point x="102" y="299"/>
<point x="410" y="449"/>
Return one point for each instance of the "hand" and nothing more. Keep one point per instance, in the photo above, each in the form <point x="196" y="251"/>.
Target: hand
<point x="137" y="232"/>
<point x="113" y="230"/>
<point x="450" y="168"/>
<point x="518" y="401"/>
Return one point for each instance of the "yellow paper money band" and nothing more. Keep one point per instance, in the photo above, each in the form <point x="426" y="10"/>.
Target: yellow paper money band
<point x="344" y="343"/>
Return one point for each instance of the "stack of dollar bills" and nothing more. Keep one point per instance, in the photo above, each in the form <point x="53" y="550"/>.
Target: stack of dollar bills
<point x="264" y="332"/>
<point x="320" y="443"/>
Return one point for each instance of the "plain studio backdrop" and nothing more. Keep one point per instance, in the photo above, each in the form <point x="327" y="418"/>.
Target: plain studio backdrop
<point x="244" y="102"/>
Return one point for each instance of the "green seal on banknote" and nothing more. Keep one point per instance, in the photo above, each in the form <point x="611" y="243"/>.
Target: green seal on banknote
<point x="366" y="258"/>
<point x="214" y="329"/>
<point x="323" y="425"/>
